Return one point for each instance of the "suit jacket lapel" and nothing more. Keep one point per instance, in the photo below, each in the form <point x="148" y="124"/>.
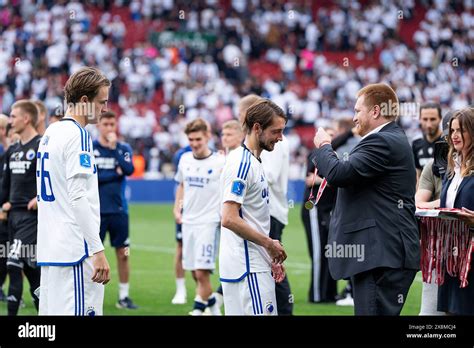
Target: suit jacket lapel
<point x="463" y="183"/>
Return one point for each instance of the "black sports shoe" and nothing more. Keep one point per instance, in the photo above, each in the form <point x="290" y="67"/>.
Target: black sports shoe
<point x="126" y="303"/>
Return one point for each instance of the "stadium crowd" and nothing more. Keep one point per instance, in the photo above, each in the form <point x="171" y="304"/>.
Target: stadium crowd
<point x="158" y="87"/>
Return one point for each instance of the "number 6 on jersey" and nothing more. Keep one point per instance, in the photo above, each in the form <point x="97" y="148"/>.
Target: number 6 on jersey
<point x="44" y="174"/>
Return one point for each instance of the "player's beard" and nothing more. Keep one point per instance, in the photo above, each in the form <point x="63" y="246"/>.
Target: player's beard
<point x="265" y="144"/>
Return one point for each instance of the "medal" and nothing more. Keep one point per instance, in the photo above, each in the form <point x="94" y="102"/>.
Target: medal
<point x="309" y="203"/>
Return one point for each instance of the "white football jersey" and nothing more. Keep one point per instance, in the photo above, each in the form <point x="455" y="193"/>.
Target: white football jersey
<point x="201" y="180"/>
<point x="65" y="151"/>
<point x="243" y="181"/>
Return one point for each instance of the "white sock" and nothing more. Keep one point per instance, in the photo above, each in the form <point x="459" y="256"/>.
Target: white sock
<point x="219" y="299"/>
<point x="123" y="290"/>
<point x="180" y="286"/>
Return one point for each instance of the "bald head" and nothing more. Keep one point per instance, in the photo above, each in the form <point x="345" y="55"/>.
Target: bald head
<point x="244" y="104"/>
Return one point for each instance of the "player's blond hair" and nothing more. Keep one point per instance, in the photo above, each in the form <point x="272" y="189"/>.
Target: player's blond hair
<point x="28" y="107"/>
<point x="232" y="124"/>
<point x="3" y="121"/>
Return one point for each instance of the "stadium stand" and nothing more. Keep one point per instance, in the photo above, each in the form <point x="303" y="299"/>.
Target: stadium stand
<point x="172" y="61"/>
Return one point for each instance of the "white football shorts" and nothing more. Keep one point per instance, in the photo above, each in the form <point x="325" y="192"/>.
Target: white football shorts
<point x="200" y="246"/>
<point x="69" y="290"/>
<point x="253" y="295"/>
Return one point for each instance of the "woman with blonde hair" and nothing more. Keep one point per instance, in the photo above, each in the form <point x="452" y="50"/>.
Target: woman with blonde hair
<point x="458" y="192"/>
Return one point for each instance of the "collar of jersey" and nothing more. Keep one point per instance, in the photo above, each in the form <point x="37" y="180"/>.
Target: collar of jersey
<point x="203" y="158"/>
<point x="246" y="148"/>
<point x="71" y="119"/>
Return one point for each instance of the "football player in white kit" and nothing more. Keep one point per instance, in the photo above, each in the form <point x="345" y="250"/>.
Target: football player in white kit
<point x="198" y="177"/>
<point x="248" y="256"/>
<point x="74" y="268"/>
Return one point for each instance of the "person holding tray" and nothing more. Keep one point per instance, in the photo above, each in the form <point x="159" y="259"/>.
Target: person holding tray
<point x="457" y="192"/>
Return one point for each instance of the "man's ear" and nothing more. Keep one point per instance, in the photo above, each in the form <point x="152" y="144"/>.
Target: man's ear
<point x="84" y="99"/>
<point x="377" y="112"/>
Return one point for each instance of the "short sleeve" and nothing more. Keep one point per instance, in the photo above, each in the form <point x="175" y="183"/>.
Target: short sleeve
<point x="427" y="178"/>
<point x="237" y="178"/>
<point x="179" y="173"/>
<point x="78" y="155"/>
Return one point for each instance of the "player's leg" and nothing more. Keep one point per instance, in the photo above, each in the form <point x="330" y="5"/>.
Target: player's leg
<point x="119" y="238"/>
<point x="15" y="264"/>
<point x="180" y="295"/>
<point x="283" y="290"/>
<point x="203" y="291"/>
<point x="33" y="274"/>
<point x="15" y="288"/>
<point x="3" y="258"/>
<point x="205" y="261"/>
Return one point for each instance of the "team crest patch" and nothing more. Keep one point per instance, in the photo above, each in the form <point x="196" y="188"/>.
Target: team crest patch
<point x="269" y="307"/>
<point x="238" y="187"/>
<point x="30" y="154"/>
<point x="85" y="160"/>
<point x="90" y="312"/>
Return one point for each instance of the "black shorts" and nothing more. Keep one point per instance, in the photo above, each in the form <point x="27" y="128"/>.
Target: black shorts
<point x="23" y="229"/>
<point x="179" y="233"/>
<point x="117" y="225"/>
<point x="4" y="231"/>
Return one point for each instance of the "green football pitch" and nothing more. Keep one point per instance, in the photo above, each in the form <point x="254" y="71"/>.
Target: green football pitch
<point x="152" y="283"/>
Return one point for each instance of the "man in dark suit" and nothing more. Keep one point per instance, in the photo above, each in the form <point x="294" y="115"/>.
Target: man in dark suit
<point x="373" y="237"/>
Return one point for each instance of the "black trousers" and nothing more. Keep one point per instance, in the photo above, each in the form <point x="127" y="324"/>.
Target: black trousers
<point x="381" y="291"/>
<point x="283" y="292"/>
<point x="323" y="288"/>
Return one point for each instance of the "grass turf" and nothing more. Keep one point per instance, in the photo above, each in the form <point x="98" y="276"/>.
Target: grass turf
<point x="152" y="283"/>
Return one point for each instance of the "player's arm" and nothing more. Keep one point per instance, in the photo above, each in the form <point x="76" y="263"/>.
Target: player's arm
<point x="179" y="195"/>
<point x="4" y="204"/>
<point x="426" y="187"/>
<point x="79" y="168"/>
<point x="125" y="160"/>
<point x="178" y="203"/>
<point x="231" y="220"/>
<point x="76" y="187"/>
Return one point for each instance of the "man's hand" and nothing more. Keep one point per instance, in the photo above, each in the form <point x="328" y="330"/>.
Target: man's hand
<point x="101" y="268"/>
<point x="278" y="272"/>
<point x="6" y="206"/>
<point x="112" y="140"/>
<point x="33" y="204"/>
<point x="178" y="217"/>
<point x="321" y="138"/>
<point x="467" y="216"/>
<point x="276" y="251"/>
